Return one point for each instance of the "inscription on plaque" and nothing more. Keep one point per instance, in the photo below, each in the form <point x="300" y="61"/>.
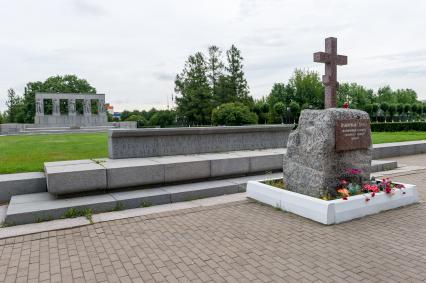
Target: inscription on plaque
<point x="353" y="134"/>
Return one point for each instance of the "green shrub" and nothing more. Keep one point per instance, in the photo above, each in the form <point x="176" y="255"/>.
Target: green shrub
<point x="233" y="114"/>
<point x="398" y="126"/>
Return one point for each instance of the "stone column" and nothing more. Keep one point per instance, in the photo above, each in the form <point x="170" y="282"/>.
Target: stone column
<point x="56" y="110"/>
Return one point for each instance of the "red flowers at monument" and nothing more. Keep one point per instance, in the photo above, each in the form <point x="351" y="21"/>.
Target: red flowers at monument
<point x="352" y="183"/>
<point x="346" y="105"/>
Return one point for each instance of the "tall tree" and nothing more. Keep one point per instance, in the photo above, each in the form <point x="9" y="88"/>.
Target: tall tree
<point x="280" y="109"/>
<point x="279" y="93"/>
<point x="15" y="107"/>
<point x="307" y="89"/>
<point x="195" y="102"/>
<point x="238" y="83"/>
<point x="356" y="95"/>
<point x="215" y="68"/>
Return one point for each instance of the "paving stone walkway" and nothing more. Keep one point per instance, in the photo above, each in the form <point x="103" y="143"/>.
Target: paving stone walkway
<point x="238" y="242"/>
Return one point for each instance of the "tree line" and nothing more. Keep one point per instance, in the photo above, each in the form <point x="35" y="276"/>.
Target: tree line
<point x="212" y="89"/>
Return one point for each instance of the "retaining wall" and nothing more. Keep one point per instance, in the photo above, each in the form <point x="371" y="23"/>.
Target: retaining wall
<point x="177" y="141"/>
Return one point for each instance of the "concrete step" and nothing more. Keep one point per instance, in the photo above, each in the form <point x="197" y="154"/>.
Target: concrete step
<point x="383" y="165"/>
<point x="89" y="175"/>
<point x="78" y="176"/>
<point x="30" y="208"/>
<point x="35" y="182"/>
<point x="38" y="207"/>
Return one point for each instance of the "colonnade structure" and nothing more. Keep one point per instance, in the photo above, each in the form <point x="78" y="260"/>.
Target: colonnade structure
<point x="70" y="110"/>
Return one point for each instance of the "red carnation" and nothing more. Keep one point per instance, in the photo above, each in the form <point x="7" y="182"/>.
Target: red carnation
<point x="346" y="105"/>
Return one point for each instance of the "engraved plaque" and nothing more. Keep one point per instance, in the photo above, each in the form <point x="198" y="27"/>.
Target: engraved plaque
<point x="353" y="134"/>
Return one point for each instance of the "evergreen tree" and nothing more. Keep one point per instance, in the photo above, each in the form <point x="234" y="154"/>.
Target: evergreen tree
<point x="215" y="70"/>
<point x="15" y="107"/>
<point x="195" y="102"/>
<point x="237" y="81"/>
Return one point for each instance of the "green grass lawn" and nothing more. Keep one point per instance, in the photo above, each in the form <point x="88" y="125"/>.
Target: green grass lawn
<point x="385" y="137"/>
<point x="28" y="153"/>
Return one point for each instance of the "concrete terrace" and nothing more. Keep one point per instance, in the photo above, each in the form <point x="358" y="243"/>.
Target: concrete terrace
<point x="234" y="242"/>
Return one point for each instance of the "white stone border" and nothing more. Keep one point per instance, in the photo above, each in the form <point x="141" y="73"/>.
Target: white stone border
<point x="334" y="211"/>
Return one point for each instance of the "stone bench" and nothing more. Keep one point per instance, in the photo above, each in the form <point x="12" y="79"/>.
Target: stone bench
<point x="21" y="184"/>
<point x="79" y="176"/>
<point x="141" y="143"/>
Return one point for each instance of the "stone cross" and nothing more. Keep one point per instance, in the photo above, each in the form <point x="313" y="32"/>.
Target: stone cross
<point x="331" y="60"/>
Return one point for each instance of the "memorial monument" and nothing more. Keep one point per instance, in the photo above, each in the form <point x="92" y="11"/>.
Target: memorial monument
<point x="92" y="106"/>
<point x="327" y="142"/>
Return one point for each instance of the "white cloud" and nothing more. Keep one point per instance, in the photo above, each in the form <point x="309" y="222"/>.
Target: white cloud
<point x="132" y="50"/>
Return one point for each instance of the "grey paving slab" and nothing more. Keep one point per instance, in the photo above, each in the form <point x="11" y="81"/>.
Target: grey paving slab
<point x="122" y="173"/>
<point x="44" y="207"/>
<point x="75" y="178"/>
<point x="142" y="197"/>
<point x="21" y="183"/>
<point x="200" y="190"/>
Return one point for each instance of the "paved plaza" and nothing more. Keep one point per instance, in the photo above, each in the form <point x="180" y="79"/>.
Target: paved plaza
<point x="236" y="242"/>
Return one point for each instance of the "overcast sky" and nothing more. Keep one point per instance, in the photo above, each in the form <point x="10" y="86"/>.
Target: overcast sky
<point x="132" y="50"/>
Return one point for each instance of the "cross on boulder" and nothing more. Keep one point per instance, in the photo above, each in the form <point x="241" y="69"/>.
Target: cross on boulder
<point x="331" y="60"/>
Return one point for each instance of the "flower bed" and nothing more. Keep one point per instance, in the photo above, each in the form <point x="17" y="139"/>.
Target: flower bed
<point x="337" y="210"/>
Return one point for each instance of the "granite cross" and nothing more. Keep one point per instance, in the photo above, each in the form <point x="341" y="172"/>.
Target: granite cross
<point x="331" y="60"/>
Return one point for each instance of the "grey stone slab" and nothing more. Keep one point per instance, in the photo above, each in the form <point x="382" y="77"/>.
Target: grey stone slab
<point x="178" y="141"/>
<point x="227" y="164"/>
<point x="31" y="198"/>
<point x="67" y="162"/>
<point x="242" y="181"/>
<point x="21" y="183"/>
<point x="387" y="150"/>
<point x="43" y="208"/>
<point x="184" y="167"/>
<point x="142" y="198"/>
<point x="266" y="163"/>
<point x="383" y="165"/>
<point x="200" y="190"/>
<point x="75" y="178"/>
<point x="122" y="173"/>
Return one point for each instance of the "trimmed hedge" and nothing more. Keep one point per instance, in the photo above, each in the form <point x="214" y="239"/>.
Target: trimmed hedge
<point x="398" y="126"/>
